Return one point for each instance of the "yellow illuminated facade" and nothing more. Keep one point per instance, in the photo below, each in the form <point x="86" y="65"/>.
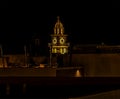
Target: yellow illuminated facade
<point x="58" y="45"/>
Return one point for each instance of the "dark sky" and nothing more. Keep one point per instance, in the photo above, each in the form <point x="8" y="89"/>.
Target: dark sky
<point x="115" y="4"/>
<point x="84" y="22"/>
<point x="3" y="3"/>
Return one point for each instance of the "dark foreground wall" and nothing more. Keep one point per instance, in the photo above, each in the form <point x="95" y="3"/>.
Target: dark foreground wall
<point x="55" y="87"/>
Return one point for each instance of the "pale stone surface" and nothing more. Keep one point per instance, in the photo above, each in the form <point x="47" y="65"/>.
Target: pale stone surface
<point x="115" y="94"/>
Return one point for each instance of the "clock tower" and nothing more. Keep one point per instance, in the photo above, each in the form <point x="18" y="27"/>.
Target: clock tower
<point x="58" y="46"/>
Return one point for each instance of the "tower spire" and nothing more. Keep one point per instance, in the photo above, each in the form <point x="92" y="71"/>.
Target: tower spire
<point x="58" y="18"/>
<point x="58" y="28"/>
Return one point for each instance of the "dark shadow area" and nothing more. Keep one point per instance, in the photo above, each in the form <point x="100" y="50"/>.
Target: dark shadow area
<point x="55" y="87"/>
<point x="115" y="4"/>
<point x="4" y="4"/>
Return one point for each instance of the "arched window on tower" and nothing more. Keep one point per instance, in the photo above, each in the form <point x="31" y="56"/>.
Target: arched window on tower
<point x="57" y="30"/>
<point x="54" y="30"/>
<point x="61" y="31"/>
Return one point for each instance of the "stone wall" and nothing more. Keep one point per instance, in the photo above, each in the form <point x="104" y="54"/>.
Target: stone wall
<point x="20" y="60"/>
<point x="3" y="62"/>
<point x="96" y="65"/>
<point x="28" y="72"/>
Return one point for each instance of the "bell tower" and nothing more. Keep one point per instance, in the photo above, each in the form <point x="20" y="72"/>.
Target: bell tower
<point x="58" y="46"/>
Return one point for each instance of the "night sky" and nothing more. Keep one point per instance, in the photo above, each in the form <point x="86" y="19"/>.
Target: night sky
<point x="85" y="23"/>
<point x="115" y="4"/>
<point x="3" y="3"/>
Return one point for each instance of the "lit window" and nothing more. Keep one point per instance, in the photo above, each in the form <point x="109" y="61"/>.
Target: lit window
<point x="55" y="30"/>
<point x="65" y="51"/>
<point x="58" y="31"/>
<point x="61" y="31"/>
<point x="62" y="51"/>
<point x="55" y="50"/>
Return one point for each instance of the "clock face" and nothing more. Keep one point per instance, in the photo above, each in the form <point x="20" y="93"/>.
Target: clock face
<point x="54" y="40"/>
<point x="62" y="40"/>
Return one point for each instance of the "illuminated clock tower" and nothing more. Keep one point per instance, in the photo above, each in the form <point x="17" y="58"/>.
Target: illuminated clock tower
<point x="58" y="46"/>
